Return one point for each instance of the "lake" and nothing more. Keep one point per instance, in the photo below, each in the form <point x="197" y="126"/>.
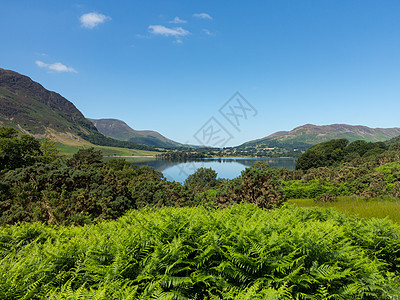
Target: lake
<point x="226" y="167"/>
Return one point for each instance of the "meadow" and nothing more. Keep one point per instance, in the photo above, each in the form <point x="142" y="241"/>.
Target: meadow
<point x="386" y="207"/>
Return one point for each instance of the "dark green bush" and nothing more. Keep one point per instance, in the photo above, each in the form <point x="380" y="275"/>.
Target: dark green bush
<point x="63" y="195"/>
<point x="258" y="185"/>
<point x="202" y="180"/>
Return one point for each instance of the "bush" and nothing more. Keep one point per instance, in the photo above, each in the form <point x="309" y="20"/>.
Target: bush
<point x="258" y="185"/>
<point x="17" y="150"/>
<point x="202" y="179"/>
<point x="327" y="197"/>
<point x="63" y="195"/>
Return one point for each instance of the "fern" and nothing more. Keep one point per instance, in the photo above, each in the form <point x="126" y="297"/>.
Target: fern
<point x="191" y="253"/>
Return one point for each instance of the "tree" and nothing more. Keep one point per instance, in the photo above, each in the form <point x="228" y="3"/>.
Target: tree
<point x="17" y="150"/>
<point x="86" y="157"/>
<point x="202" y="179"/>
<point x="49" y="150"/>
<point x="258" y="184"/>
<point x="322" y="155"/>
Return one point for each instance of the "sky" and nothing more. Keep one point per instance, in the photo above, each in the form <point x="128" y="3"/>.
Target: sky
<point x="212" y="72"/>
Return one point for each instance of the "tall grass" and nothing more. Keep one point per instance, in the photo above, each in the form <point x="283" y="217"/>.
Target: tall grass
<point x="358" y="206"/>
<point x="192" y="253"/>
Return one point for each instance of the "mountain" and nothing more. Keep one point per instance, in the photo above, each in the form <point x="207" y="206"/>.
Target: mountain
<point x="303" y="137"/>
<point x="28" y="106"/>
<point x="314" y="134"/>
<point x="118" y="129"/>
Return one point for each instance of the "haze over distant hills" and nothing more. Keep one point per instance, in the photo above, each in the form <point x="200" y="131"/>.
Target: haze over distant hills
<point x="118" y="129"/>
<point x="303" y="137"/>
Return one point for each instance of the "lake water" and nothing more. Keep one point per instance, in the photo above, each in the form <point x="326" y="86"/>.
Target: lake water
<point x="226" y="167"/>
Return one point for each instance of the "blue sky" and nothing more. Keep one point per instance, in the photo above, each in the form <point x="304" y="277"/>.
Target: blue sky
<point x="170" y="66"/>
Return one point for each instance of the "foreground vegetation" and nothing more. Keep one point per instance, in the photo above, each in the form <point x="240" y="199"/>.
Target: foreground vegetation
<point x="241" y="252"/>
<point x="82" y="228"/>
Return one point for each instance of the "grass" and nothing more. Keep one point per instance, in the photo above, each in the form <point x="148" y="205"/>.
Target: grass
<point x="372" y="208"/>
<point x="107" y="151"/>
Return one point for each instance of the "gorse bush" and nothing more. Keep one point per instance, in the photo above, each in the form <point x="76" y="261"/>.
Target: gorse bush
<point x="370" y="177"/>
<point x="63" y="195"/>
<point x="203" y="179"/>
<point x="242" y="252"/>
<point x="85" y="193"/>
<point x="258" y="185"/>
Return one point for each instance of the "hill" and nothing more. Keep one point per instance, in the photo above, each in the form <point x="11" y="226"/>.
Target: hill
<point x="27" y="106"/>
<point x="394" y="143"/>
<point x="118" y="129"/>
<point x="303" y="137"/>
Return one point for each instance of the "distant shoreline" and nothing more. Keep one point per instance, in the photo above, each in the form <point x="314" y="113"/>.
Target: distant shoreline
<point x="152" y="156"/>
<point x="120" y="156"/>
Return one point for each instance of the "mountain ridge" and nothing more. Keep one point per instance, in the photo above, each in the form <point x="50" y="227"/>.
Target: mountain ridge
<point x="304" y="136"/>
<point x="118" y="129"/>
<point x="375" y="134"/>
<point x="29" y="107"/>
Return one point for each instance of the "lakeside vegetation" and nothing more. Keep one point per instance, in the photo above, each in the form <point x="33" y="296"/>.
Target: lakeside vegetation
<point x="81" y="228"/>
<point x="181" y="155"/>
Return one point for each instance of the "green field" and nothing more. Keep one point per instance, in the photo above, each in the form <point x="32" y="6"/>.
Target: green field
<point x="371" y="208"/>
<point x="107" y="151"/>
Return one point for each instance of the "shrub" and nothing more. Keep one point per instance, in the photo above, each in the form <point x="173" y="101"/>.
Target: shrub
<point x="258" y="185"/>
<point x="327" y="197"/>
<point x="396" y="189"/>
<point x="202" y="179"/>
<point x="63" y="195"/>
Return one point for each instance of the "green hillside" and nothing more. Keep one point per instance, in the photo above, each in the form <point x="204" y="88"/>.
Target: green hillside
<point x="29" y="107"/>
<point x="303" y="137"/>
<point x="118" y="129"/>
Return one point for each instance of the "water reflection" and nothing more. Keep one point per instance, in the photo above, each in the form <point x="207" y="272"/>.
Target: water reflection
<point x="226" y="167"/>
